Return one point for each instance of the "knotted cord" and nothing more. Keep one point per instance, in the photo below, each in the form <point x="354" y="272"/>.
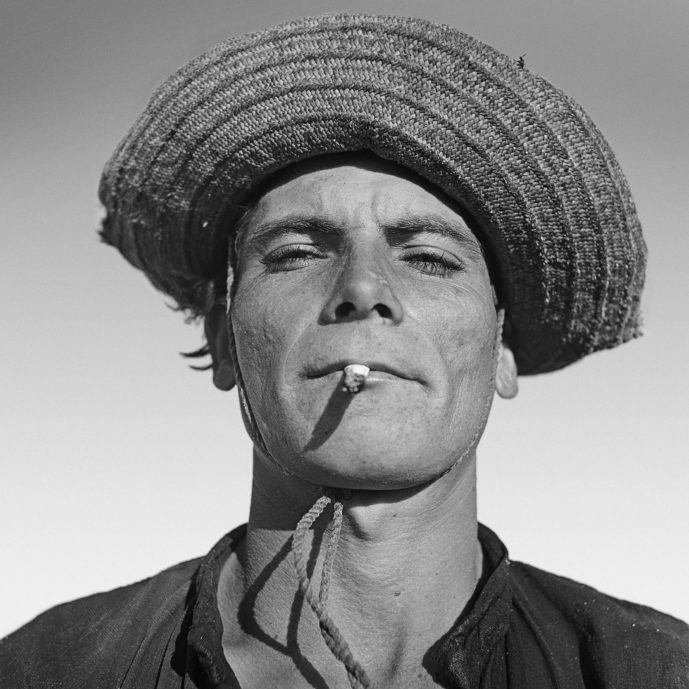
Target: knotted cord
<point x="358" y="679"/>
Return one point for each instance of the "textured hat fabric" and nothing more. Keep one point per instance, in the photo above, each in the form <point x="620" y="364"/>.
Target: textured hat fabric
<point x="522" y="158"/>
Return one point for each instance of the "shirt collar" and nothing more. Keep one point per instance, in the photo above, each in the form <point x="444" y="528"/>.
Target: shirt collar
<point x="457" y="659"/>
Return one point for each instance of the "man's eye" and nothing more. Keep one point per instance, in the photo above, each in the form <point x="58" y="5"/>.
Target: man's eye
<point x="291" y="257"/>
<point x="433" y="262"/>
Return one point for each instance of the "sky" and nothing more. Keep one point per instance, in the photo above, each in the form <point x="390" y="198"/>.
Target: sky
<point x="117" y="461"/>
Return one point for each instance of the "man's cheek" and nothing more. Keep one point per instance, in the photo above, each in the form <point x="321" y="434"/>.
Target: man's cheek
<point x="458" y="333"/>
<point x="255" y="353"/>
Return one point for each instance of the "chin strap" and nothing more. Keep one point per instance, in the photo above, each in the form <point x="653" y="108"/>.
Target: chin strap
<point x="358" y="679"/>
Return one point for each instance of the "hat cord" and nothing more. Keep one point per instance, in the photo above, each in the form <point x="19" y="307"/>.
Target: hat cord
<point x="358" y="679"/>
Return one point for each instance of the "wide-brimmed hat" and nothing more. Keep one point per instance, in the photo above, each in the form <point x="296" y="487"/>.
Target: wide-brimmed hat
<point x="523" y="160"/>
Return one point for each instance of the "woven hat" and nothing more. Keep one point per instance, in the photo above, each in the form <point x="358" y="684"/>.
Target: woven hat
<point x="522" y="158"/>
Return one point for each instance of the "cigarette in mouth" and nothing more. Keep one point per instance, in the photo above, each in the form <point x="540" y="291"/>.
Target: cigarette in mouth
<point x="354" y="377"/>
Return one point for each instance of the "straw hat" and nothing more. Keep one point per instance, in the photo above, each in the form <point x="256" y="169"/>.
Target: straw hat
<point x="532" y="171"/>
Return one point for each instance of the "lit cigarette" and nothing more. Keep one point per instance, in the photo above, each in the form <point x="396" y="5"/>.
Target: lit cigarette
<point x="354" y="377"/>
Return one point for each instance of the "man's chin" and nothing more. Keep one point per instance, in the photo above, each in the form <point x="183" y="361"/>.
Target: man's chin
<point x="365" y="471"/>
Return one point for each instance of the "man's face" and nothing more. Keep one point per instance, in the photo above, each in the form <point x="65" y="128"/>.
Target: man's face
<point x="363" y="263"/>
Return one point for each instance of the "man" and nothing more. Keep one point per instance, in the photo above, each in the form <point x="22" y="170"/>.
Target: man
<point x="392" y="195"/>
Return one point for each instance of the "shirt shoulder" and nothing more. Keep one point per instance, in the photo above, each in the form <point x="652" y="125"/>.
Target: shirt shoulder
<point x="64" y="646"/>
<point x="621" y="644"/>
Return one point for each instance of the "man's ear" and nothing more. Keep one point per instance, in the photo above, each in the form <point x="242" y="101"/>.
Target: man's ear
<point x="506" y="374"/>
<point x="215" y="327"/>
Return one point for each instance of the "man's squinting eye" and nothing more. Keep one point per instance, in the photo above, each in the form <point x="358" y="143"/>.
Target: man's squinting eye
<point x="291" y="257"/>
<point x="432" y="261"/>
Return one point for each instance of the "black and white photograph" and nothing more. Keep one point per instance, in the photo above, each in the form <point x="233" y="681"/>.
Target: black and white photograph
<point x="344" y="344"/>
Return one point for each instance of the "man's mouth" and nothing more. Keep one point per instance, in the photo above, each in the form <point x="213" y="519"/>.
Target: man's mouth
<point x="378" y="370"/>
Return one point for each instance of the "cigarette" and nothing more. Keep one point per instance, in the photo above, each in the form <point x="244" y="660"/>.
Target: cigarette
<point x="354" y="377"/>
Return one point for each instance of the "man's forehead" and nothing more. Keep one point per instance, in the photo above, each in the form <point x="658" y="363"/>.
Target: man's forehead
<point x="353" y="189"/>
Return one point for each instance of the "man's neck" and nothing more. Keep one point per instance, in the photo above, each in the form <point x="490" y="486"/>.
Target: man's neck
<point x="406" y="565"/>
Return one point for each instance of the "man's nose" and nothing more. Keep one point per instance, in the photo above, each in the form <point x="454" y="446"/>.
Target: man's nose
<point x="363" y="291"/>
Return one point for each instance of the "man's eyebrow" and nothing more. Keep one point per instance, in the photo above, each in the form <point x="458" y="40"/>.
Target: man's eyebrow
<point x="407" y="226"/>
<point x="269" y="230"/>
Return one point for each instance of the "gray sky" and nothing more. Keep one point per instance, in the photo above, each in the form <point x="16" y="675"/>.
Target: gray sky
<point x="117" y="461"/>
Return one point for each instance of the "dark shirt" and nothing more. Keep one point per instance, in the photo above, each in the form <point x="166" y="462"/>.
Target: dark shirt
<point x="523" y="628"/>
